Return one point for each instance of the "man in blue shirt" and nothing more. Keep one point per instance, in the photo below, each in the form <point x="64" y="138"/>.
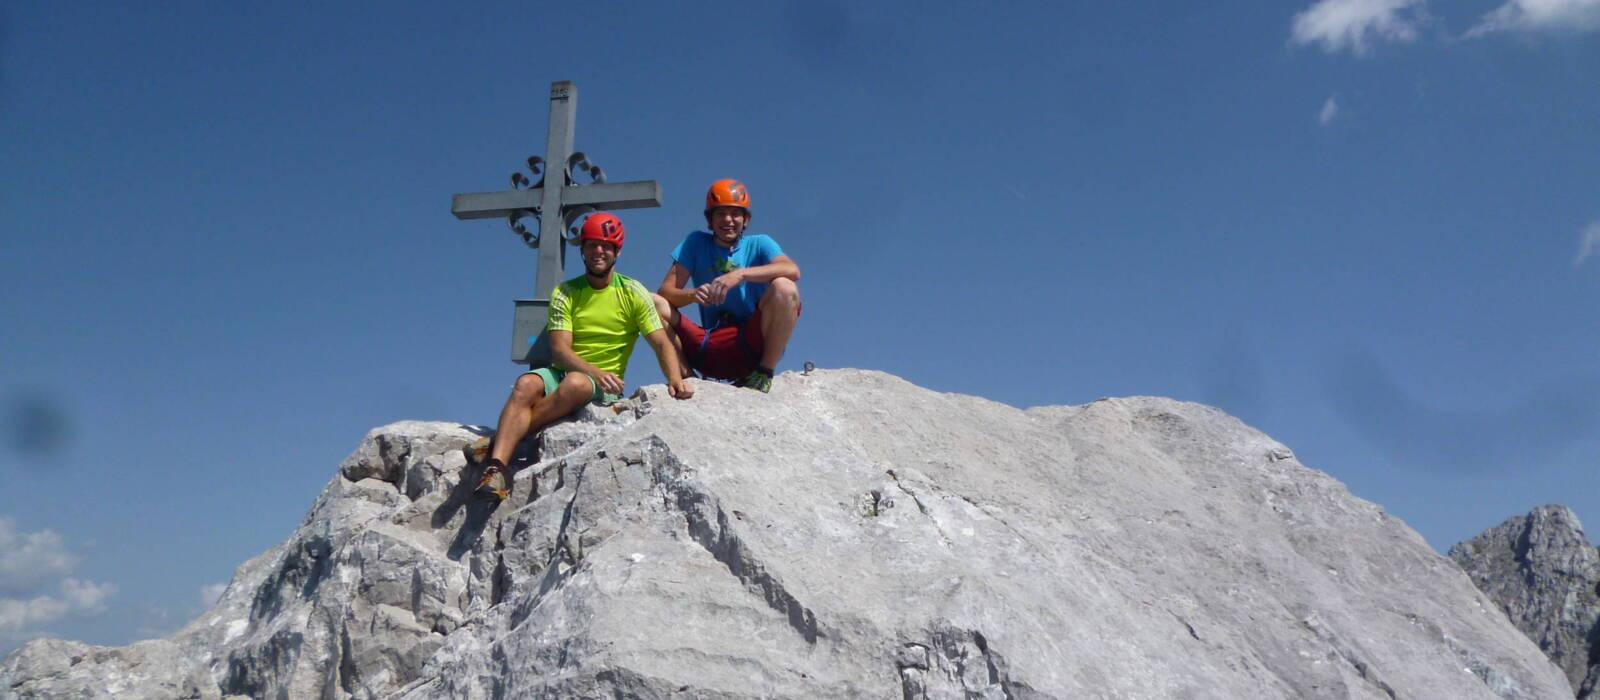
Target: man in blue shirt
<point x="745" y="287"/>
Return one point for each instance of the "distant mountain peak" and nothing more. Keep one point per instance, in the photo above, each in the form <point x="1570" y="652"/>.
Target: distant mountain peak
<point x="1542" y="571"/>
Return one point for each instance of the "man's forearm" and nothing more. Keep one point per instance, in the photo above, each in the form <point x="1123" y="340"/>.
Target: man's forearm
<point x="666" y="356"/>
<point x="676" y="296"/>
<point x="770" y="272"/>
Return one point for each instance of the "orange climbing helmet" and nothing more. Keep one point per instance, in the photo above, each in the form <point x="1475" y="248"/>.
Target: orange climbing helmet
<point x="728" y="193"/>
<point x="602" y="226"/>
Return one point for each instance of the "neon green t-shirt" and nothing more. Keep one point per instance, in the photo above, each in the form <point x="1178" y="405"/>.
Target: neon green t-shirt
<point x="604" y="322"/>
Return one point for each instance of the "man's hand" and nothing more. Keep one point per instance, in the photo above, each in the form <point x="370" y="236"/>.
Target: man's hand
<point x="714" y="292"/>
<point x="608" y="382"/>
<point x="680" y="389"/>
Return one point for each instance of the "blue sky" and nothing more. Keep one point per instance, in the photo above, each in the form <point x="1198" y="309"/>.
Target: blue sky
<point x="1370" y="228"/>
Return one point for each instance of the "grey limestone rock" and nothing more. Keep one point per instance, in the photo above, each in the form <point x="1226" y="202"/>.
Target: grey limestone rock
<point x="1543" y="572"/>
<point x="55" y="668"/>
<point x="849" y="535"/>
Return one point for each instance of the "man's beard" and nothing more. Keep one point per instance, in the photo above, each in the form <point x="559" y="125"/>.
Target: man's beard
<point x="604" y="268"/>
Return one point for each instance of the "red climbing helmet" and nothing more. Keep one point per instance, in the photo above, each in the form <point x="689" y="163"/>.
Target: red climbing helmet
<point x="602" y="226"/>
<point x="728" y="193"/>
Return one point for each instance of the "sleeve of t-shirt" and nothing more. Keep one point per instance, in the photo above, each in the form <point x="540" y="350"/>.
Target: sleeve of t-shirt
<point x="682" y="250"/>
<point x="558" y="317"/>
<point x="644" y="313"/>
<point x="768" y="250"/>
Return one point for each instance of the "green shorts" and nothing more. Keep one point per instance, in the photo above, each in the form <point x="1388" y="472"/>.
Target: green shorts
<point x="552" y="379"/>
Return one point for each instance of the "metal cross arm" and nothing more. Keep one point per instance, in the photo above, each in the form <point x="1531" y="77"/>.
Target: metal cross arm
<point x="612" y="195"/>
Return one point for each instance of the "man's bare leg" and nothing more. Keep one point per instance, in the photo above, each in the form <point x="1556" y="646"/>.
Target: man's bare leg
<point x="528" y="409"/>
<point x="575" y="390"/>
<point x="780" y="311"/>
<point x="526" y="393"/>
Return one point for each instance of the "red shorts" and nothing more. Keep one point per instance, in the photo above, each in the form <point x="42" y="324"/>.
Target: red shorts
<point x="732" y="353"/>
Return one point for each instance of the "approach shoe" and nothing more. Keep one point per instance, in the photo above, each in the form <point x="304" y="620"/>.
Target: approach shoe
<point x="758" y="380"/>
<point x="493" y="483"/>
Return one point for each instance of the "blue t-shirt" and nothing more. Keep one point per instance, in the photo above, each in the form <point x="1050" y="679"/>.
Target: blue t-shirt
<point x="706" y="261"/>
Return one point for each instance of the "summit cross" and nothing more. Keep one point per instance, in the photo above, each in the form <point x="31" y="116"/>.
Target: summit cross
<point x="558" y="203"/>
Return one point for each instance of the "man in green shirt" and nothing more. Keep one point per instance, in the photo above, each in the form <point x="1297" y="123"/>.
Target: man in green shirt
<point x="593" y="322"/>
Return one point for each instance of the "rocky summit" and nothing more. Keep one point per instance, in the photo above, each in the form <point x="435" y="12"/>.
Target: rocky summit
<point x="849" y="535"/>
<point x="1541" y="569"/>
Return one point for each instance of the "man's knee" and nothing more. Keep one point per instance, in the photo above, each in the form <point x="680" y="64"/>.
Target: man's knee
<point x="527" y="389"/>
<point x="782" y="291"/>
<point x="663" y="309"/>
<point x="574" y="385"/>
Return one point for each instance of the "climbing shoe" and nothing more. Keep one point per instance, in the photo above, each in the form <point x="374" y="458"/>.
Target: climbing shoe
<point x="760" y="380"/>
<point x="493" y="483"/>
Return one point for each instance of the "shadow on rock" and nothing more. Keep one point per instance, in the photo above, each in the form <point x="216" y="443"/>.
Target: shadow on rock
<point x="464" y="495"/>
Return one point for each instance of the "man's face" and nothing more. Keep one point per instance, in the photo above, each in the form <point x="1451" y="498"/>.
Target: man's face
<point x="727" y="223"/>
<point x="598" y="257"/>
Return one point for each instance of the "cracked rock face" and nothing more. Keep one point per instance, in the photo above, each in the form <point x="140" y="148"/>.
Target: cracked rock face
<point x="1543" y="572"/>
<point x="849" y="535"/>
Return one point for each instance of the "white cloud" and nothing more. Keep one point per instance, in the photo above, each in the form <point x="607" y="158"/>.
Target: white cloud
<point x="1540" y="15"/>
<point x="86" y="595"/>
<point x="28" y="560"/>
<point x="74" y="597"/>
<point x="36" y="587"/>
<point x="1588" y="243"/>
<point x="1330" y="111"/>
<point x="1350" y="24"/>
<point x="210" y="594"/>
